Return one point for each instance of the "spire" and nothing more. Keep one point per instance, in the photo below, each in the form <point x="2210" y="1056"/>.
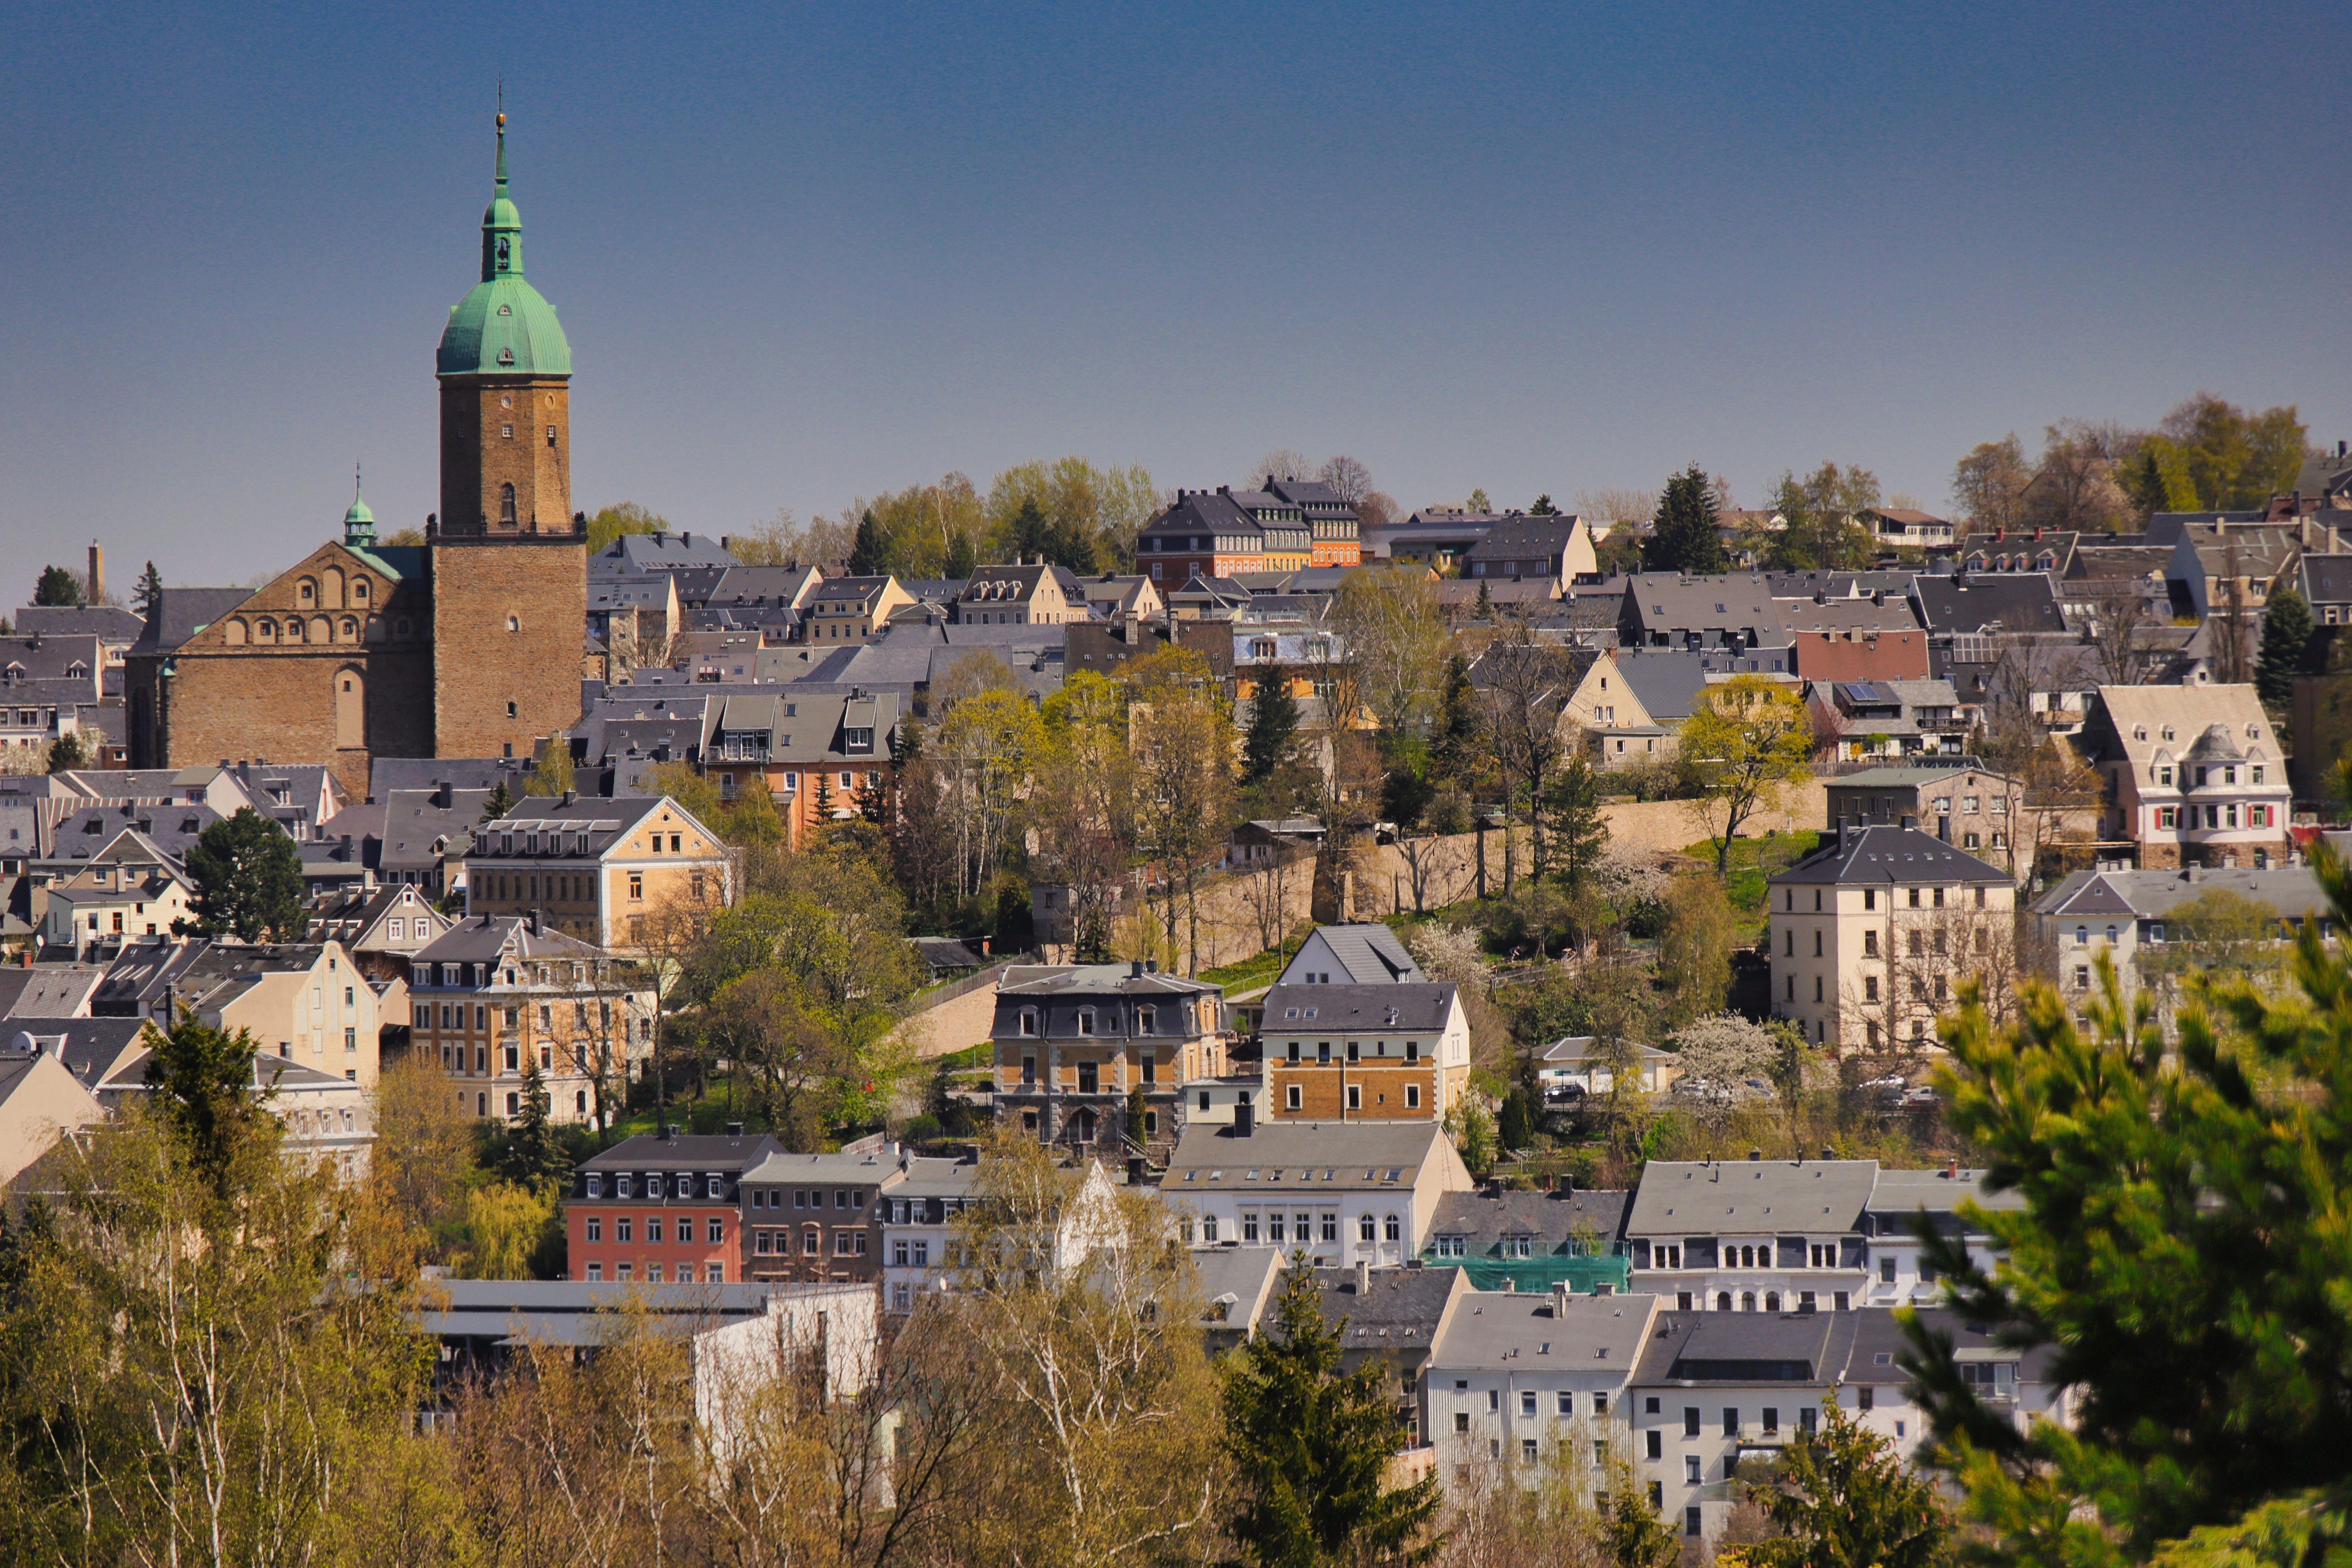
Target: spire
<point x="359" y="523"/>
<point x="502" y="225"/>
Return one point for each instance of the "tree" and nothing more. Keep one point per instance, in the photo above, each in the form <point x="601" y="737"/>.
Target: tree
<point x="149" y="594"/>
<point x="2117" y="635"/>
<point x="424" y="1149"/>
<point x="204" y="1091"/>
<point x="2175" y="1253"/>
<point x="1349" y="480"/>
<point x="1472" y="1127"/>
<point x="1274" y="725"/>
<point x="1747" y="739"/>
<point x="1579" y="832"/>
<point x="66" y="754"/>
<point x="1822" y="511"/>
<point x="870" y="550"/>
<point x="2209" y="454"/>
<point x="2286" y="633"/>
<point x="1087" y="517"/>
<point x="1543" y="506"/>
<point x="2227" y="622"/>
<point x="551" y="772"/>
<point x="1313" y="1445"/>
<point x="1841" y="1496"/>
<point x="1684" y="532"/>
<point x="1694" y="950"/>
<point x="1990" y="483"/>
<point x="1525" y="686"/>
<point x="500" y="804"/>
<point x="532" y="1156"/>
<point x="1183" y="792"/>
<point x="1387" y="618"/>
<point x="249" y="878"/>
<point x="1718" y="1054"/>
<point x="1478" y="501"/>
<point x="608" y="523"/>
<point x="58" y="586"/>
<point x="2074" y="488"/>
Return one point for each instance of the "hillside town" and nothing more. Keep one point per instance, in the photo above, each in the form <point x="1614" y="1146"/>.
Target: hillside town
<point x="1552" y="962"/>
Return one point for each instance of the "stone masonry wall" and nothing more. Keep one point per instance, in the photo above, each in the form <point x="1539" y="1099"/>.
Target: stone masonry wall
<point x="498" y="687"/>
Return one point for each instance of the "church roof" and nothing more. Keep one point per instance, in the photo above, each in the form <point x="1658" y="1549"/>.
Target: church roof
<point x="503" y="326"/>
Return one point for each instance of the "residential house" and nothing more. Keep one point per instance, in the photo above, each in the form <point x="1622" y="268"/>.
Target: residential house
<point x="1075" y="1044"/>
<point x="820" y="754"/>
<point x="852" y="609"/>
<point x="1269" y="841"/>
<point x="920" y="1214"/>
<point x="1871" y="932"/>
<point x="47" y="683"/>
<point x="1345" y="1053"/>
<point x="1878" y="638"/>
<point x="1331" y="519"/>
<point x="1964" y="802"/>
<point x="1553" y="551"/>
<point x="303" y="1002"/>
<point x="2211" y="556"/>
<point x="1579" y="1065"/>
<point x="1900" y="1275"/>
<point x="1908" y="528"/>
<point x="1237" y="1284"/>
<point x="1363" y="954"/>
<point x="1985" y="604"/>
<point x="1713" y="1392"/>
<point x="1394" y="1318"/>
<point x="2194" y="774"/>
<point x="819" y="1217"/>
<point x="1220" y="532"/>
<point x="48" y="990"/>
<point x="1437" y="536"/>
<point x="1757" y="1235"/>
<point x="114" y="626"/>
<point x="499" y="995"/>
<point x="633" y="621"/>
<point x="1733" y="613"/>
<point x="1888" y="718"/>
<point x="2039" y="550"/>
<point x="1344" y="1193"/>
<point x="2326" y="585"/>
<point x="2131" y="917"/>
<point x="1020" y="595"/>
<point x="754" y="595"/>
<point x="326" y="1118"/>
<point x="1533" y="1241"/>
<point x="168" y="830"/>
<point x="662" y="1209"/>
<point x="128" y="890"/>
<point x="2108" y="580"/>
<point x="40" y="1102"/>
<point x="644" y="555"/>
<point x="1529" y="1387"/>
<point x="605" y="871"/>
<point x="382" y="929"/>
<point x="1128" y="605"/>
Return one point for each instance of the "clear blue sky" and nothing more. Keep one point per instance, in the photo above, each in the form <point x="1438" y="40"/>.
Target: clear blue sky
<point x="805" y="253"/>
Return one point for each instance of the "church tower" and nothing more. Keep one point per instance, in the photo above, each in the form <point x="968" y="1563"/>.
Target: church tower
<point x="510" y="567"/>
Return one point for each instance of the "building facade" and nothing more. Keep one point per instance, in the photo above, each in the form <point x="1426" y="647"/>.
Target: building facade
<point x="662" y="1209"/>
<point x="1074" y="1043"/>
<point x="1375" y="1053"/>
<point x="2193" y="775"/>
<point x="612" y="872"/>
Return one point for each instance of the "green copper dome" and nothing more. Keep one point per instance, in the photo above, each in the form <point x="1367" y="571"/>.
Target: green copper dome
<point x="359" y="523"/>
<point x="503" y="326"/>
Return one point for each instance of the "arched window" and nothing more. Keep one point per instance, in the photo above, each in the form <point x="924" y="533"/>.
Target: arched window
<point x="351" y="630"/>
<point x="1771" y="1300"/>
<point x="2081" y="936"/>
<point x="350" y="710"/>
<point x="506" y="504"/>
<point x="1747" y="1300"/>
<point x="1392" y="1229"/>
<point x="1723" y="1301"/>
<point x="233" y="634"/>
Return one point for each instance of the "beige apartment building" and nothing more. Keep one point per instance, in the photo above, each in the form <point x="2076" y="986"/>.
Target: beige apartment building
<point x="1395" y="1052"/>
<point x="605" y="871"/>
<point x="1871" y="934"/>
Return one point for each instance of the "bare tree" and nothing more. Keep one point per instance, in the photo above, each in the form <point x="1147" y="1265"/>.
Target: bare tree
<point x="2116" y="636"/>
<point x="1522" y="688"/>
<point x="2233" y="639"/>
<point x="1350" y="480"/>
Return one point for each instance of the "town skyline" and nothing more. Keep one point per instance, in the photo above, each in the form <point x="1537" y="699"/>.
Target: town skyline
<point x="925" y="247"/>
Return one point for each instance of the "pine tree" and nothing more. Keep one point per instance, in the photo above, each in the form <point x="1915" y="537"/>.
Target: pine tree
<point x="2286" y="633"/>
<point x="2177" y="1258"/>
<point x="1484" y="609"/>
<point x="149" y="594"/>
<point x="66" y="752"/>
<point x="1579" y="832"/>
<point x="1844" y="1496"/>
<point x="204" y="1088"/>
<point x="1454" y="746"/>
<point x="962" y="558"/>
<point x="1683" y="536"/>
<point x="824" y="798"/>
<point x="532" y="1155"/>
<point x="1312" y="1443"/>
<point x="869" y="553"/>
<point x="58" y="586"/>
<point x="1274" y="725"/>
<point x="1543" y="506"/>
<point x="500" y="804"/>
<point x="1028" y="534"/>
<point x="249" y="878"/>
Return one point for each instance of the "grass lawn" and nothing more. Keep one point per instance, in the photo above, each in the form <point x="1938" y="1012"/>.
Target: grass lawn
<point x="1754" y="862"/>
<point x="1258" y="971"/>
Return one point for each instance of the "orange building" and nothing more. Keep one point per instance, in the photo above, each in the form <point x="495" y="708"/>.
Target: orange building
<point x="1364" y="1053"/>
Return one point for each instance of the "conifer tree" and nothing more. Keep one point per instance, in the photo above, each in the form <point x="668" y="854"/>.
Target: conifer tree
<point x="204" y="1088"/>
<point x="869" y="551"/>
<point x="1683" y="536"/>
<point x="2286" y="633"/>
<point x="1454" y="746"/>
<point x="149" y="594"/>
<point x="249" y="878"/>
<point x="1312" y="1443"/>
<point x="56" y="586"/>
<point x="1842" y="1497"/>
<point x="532" y="1156"/>
<point x="2178" y="1263"/>
<point x="1579" y="832"/>
<point x="500" y="804"/>
<point x="1274" y="725"/>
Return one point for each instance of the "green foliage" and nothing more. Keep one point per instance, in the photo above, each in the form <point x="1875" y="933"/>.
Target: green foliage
<point x="531" y="1153"/>
<point x="149" y="592"/>
<point x="1517" y="1125"/>
<point x="1822" y="511"/>
<point x="608" y="523"/>
<point x="1632" y="1530"/>
<point x="2286" y="635"/>
<point x="1842" y="1497"/>
<point x="1274" y="726"/>
<point x="1684" y="535"/>
<point x="2179" y="1252"/>
<point x="56" y="586"/>
<point x="1472" y="1127"/>
<point x="1311" y="1445"/>
<point x="1750" y="739"/>
<point x="506" y="1229"/>
<point x="500" y="804"/>
<point x="550" y="773"/>
<point x="1455" y="747"/>
<point x="1695" y="952"/>
<point x="66" y="754"/>
<point x="2223" y="456"/>
<point x="1543" y="506"/>
<point x="1579" y="832"/>
<point x="869" y="549"/>
<point x="203" y="1092"/>
<point x="249" y="878"/>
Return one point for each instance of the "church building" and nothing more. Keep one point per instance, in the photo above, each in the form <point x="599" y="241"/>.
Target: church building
<point x="468" y="645"/>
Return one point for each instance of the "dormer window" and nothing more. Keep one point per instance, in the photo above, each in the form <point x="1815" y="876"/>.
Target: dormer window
<point x="2140" y="731"/>
<point x="622" y="1185"/>
<point x="1029" y="1021"/>
<point x="1146" y="1020"/>
<point x="506" y="356"/>
<point x="595" y="1186"/>
<point x="2168" y="731"/>
<point x="1085" y="1020"/>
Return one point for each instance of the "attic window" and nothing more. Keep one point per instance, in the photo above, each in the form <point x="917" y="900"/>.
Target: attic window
<point x="507" y="310"/>
<point x="506" y="356"/>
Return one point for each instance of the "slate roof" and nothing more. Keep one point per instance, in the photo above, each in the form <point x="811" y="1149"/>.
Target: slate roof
<point x="1856" y="615"/>
<point x="48" y="990"/>
<point x="1888" y="855"/>
<point x="1742" y="1348"/>
<point x="2328" y="579"/>
<point x="486" y="938"/>
<point x="2016" y="602"/>
<point x="1098" y="980"/>
<point x="1295" y="1156"/>
<point x="687" y="1151"/>
<point x="1667" y="602"/>
<point x="1401" y="1309"/>
<point x="182" y="612"/>
<point x="635" y="554"/>
<point x="172" y="829"/>
<point x="386" y="775"/>
<point x="872" y="1165"/>
<point x="1485" y="1216"/>
<point x="1898" y="1195"/>
<point x="1422" y="1007"/>
<point x="2292" y="892"/>
<point x="1698" y="1197"/>
<point x="1666" y="681"/>
<point x="92" y="1049"/>
<point x="1532" y="1332"/>
<point x="108" y="623"/>
<point x="1369" y="953"/>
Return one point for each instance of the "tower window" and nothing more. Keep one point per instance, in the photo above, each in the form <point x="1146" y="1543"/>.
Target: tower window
<point x="510" y="709"/>
<point x="506" y="356"/>
<point x="514" y="623"/>
<point x="506" y="310"/>
<point x="507" y="431"/>
<point x="506" y="491"/>
<point x="551" y="434"/>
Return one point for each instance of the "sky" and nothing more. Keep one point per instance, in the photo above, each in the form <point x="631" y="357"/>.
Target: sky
<point x="807" y="253"/>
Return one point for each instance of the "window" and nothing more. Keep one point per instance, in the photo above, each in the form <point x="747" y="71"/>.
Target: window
<point x="1528" y="1403"/>
<point x="1290" y="1097"/>
<point x="621" y="1228"/>
<point x="1690" y="1420"/>
<point x="1731" y="1422"/>
<point x="1392" y="1230"/>
<point x="1355" y="1096"/>
<point x="1364" y="1228"/>
<point x="1691" y="1526"/>
<point x="1413" y="1096"/>
<point x="1656" y="1443"/>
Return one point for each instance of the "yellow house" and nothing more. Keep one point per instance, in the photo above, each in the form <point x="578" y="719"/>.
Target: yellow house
<point x="605" y="871"/>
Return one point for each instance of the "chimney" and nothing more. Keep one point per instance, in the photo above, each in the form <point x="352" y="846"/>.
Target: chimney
<point x="97" y="571"/>
<point x="1135" y="969"/>
<point x="1755" y="1156"/>
<point x="2037" y="534"/>
<point x="1952" y="1168"/>
<point x="734" y="1129"/>
<point x="1363" y="1278"/>
<point x="444" y="797"/>
<point x="570" y="796"/>
<point x="1243" y="1112"/>
<point x="1135" y="1170"/>
<point x="669" y="1132"/>
<point x="1560" y="1299"/>
<point x="1828" y="1152"/>
<point x="534" y="922"/>
<point x="1910" y="821"/>
<point x="2189" y="870"/>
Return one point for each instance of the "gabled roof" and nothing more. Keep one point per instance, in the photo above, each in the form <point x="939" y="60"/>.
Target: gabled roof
<point x="2292" y="892"/>
<point x="635" y="554"/>
<point x="1098" y="980"/>
<point x="1883" y="854"/>
<point x="687" y="1151"/>
<point x="2016" y="602"/>
<point x="1706" y="1197"/>
<point x="486" y="938"/>
<point x="108" y="623"/>
<point x="182" y="612"/>
<point x="1488" y="1216"/>
<point x="48" y="990"/>
<point x="1394" y="1309"/>
<point x="1424" y="1007"/>
<point x="1294" y="1155"/>
<point x="1370" y="953"/>
<point x="1532" y="1334"/>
